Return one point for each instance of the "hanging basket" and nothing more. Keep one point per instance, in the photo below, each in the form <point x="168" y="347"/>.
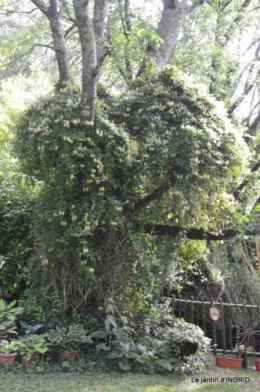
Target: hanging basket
<point x="216" y="290"/>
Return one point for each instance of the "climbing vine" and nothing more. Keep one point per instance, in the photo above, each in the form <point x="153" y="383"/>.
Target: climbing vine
<point x="161" y="153"/>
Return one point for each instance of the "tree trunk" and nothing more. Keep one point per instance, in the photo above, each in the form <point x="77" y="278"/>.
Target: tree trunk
<point x="92" y="41"/>
<point x="52" y="13"/>
<point x="169" y="27"/>
<point x="173" y="15"/>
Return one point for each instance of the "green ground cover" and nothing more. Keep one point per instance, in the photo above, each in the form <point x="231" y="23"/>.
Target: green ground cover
<point x="104" y="381"/>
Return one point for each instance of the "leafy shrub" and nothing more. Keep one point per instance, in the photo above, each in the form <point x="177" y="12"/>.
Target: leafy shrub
<point x="166" y="349"/>
<point x="146" y="352"/>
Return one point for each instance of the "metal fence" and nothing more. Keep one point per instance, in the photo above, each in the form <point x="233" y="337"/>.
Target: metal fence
<point x="238" y="324"/>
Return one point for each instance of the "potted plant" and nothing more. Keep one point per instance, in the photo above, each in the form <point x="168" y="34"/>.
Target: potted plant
<point x="216" y="286"/>
<point x="69" y="339"/>
<point x="257" y="364"/>
<point x="8" y="351"/>
<point x="31" y="346"/>
<point x="228" y="361"/>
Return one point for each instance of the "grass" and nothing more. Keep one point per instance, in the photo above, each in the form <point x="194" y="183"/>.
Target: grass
<point x="104" y="381"/>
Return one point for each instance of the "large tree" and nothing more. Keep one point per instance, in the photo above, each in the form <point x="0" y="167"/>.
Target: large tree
<point x="118" y="173"/>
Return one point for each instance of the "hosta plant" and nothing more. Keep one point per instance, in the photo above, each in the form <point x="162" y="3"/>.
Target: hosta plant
<point x="69" y="339"/>
<point x="6" y="327"/>
<point x="32" y="345"/>
<point x="7" y="347"/>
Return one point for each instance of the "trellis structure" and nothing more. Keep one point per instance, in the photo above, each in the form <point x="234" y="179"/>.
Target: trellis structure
<point x="196" y="311"/>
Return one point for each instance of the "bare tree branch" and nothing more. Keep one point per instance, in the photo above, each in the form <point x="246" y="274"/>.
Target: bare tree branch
<point x="70" y="17"/>
<point x="69" y="30"/>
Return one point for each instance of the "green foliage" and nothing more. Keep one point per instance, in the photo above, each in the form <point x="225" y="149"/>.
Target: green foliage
<point x="9" y="312"/>
<point x="146" y="352"/>
<point x="6" y="327"/>
<point x="81" y="175"/>
<point x="151" y="353"/>
<point x="32" y="345"/>
<point x="8" y="315"/>
<point x="216" y="275"/>
<point x="30" y="329"/>
<point x="33" y="309"/>
<point x="7" y="347"/>
<point x="183" y="137"/>
<point x="209" y="48"/>
<point x="127" y="44"/>
<point x="176" y="331"/>
<point x="182" y="332"/>
<point x="17" y="196"/>
<point x="69" y="339"/>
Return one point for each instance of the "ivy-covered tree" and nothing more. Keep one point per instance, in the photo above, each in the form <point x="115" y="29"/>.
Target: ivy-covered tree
<point x="120" y="176"/>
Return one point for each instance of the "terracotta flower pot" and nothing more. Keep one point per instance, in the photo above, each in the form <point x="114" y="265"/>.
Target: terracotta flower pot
<point x="7" y="359"/>
<point x="257" y="364"/>
<point x="229" y="362"/>
<point x="28" y="364"/>
<point x="68" y="355"/>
